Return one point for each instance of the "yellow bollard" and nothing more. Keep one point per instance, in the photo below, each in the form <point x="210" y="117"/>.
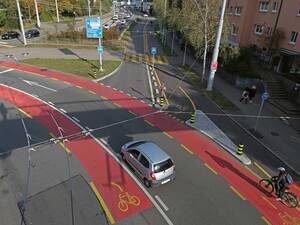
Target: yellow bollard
<point x="193" y="118"/>
<point x="161" y="101"/>
<point x="240" y="149"/>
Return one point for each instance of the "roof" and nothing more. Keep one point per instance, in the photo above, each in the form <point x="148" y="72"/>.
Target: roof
<point x="153" y="152"/>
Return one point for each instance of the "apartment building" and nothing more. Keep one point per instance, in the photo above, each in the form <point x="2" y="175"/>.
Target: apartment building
<point x="262" y="22"/>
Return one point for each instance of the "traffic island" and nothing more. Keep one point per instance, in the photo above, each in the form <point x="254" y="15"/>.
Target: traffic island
<point x="81" y="67"/>
<point x="202" y="123"/>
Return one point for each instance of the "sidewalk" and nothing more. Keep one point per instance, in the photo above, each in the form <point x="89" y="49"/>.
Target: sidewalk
<point x="274" y="133"/>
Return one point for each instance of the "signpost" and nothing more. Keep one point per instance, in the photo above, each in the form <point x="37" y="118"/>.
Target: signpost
<point x="214" y="66"/>
<point x="153" y="53"/>
<point x="94" y="30"/>
<point x="264" y="97"/>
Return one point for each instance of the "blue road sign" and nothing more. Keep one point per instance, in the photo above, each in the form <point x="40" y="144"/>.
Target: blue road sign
<point x="93" y="27"/>
<point x="265" y="96"/>
<point x="153" y="50"/>
<point x="100" y="49"/>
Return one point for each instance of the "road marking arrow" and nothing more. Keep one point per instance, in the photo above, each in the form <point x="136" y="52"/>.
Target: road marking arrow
<point x="33" y="83"/>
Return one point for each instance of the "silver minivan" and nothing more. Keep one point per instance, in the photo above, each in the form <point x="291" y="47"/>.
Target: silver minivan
<point x="149" y="161"/>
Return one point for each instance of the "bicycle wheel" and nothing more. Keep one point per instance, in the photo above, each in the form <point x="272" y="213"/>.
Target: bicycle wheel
<point x="123" y="206"/>
<point x="289" y="199"/>
<point x="134" y="200"/>
<point x="267" y="185"/>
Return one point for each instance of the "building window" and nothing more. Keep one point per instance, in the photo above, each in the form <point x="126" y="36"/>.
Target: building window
<point x="258" y="29"/>
<point x="293" y="37"/>
<point x="269" y="31"/>
<point x="234" y="30"/>
<point x="237" y="11"/>
<point x="298" y="12"/>
<point x="275" y="7"/>
<point x="263" y="6"/>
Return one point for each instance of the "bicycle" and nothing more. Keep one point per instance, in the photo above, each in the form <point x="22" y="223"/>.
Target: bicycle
<point x="288" y="198"/>
<point x="125" y="199"/>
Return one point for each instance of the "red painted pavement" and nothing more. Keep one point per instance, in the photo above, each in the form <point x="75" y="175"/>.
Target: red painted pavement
<point x="101" y="167"/>
<point x="231" y="170"/>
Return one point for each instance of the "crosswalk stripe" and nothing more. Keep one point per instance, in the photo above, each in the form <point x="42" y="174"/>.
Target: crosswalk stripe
<point x="133" y="56"/>
<point x="147" y="58"/>
<point x="159" y="61"/>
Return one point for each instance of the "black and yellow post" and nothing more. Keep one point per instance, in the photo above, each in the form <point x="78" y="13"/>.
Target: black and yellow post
<point x="193" y="117"/>
<point x="240" y="149"/>
<point x="161" y="101"/>
<point x="95" y="74"/>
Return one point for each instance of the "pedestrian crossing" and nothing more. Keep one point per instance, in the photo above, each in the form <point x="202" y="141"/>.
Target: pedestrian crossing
<point x="136" y="57"/>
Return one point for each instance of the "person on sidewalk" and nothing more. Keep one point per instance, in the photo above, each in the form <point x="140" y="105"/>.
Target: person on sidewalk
<point x="245" y="95"/>
<point x="252" y="93"/>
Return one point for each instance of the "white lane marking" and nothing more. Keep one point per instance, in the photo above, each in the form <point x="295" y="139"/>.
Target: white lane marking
<point x="104" y="141"/>
<point x="143" y="101"/>
<point x="153" y="77"/>
<point x="35" y="95"/>
<point x="64" y="111"/>
<point x="5" y="71"/>
<point x="155" y="83"/>
<point x="156" y="91"/>
<point x="138" y="182"/>
<point x="33" y="83"/>
<point x="74" y="118"/>
<point x="87" y="128"/>
<point x="150" y="85"/>
<point x="161" y="202"/>
<point x="108" y="86"/>
<point x="51" y="103"/>
<point x="115" y="89"/>
<point x="121" y="91"/>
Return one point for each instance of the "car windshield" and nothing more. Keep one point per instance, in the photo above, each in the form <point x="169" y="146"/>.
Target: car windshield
<point x="163" y="166"/>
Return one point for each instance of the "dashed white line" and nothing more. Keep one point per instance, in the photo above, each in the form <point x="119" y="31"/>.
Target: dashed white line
<point x="5" y="71"/>
<point x="156" y="91"/>
<point x="74" y="118"/>
<point x="115" y="89"/>
<point x="161" y="203"/>
<point x="142" y="101"/>
<point x="64" y="111"/>
<point x="153" y="77"/>
<point x="155" y="83"/>
<point x="35" y="95"/>
<point x="51" y="103"/>
<point x="121" y="91"/>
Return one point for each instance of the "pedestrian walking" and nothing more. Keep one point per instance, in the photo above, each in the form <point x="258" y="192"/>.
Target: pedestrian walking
<point x="245" y="95"/>
<point x="252" y="93"/>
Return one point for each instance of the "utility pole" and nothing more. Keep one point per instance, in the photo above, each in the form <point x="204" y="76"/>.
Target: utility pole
<point x="89" y="6"/>
<point x="184" y="55"/>
<point x="165" y="14"/>
<point x="216" y="49"/>
<point x="38" y="22"/>
<point x="100" y="42"/>
<point x="57" y="14"/>
<point x="21" y="23"/>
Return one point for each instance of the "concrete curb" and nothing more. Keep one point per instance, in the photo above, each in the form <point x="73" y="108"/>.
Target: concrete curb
<point x="112" y="73"/>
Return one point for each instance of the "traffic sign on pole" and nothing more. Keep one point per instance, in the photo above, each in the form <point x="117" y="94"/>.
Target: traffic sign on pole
<point x="153" y="50"/>
<point x="214" y="66"/>
<point x="93" y="27"/>
<point x="100" y="49"/>
<point x="265" y="96"/>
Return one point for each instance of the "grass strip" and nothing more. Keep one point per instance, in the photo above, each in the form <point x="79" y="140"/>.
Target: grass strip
<point x="80" y="67"/>
<point x="200" y="86"/>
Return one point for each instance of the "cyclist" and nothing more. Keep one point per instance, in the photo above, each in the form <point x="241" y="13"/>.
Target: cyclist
<point x="283" y="181"/>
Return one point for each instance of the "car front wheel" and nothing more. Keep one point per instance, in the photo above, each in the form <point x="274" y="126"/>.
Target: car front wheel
<point x="147" y="182"/>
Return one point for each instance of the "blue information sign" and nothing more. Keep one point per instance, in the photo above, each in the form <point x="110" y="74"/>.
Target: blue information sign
<point x="265" y="96"/>
<point x="100" y="49"/>
<point x="153" y="50"/>
<point x="93" y="27"/>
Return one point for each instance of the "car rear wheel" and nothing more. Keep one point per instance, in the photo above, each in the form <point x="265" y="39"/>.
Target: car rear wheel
<point x="147" y="182"/>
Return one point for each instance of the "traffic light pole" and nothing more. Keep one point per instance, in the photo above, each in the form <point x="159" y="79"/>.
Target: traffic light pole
<point x="216" y="49"/>
<point x="21" y="23"/>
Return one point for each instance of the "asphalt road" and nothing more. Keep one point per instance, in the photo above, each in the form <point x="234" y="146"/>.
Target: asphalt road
<point x="196" y="196"/>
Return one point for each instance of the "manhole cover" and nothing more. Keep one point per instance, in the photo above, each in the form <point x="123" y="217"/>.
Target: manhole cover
<point x="274" y="133"/>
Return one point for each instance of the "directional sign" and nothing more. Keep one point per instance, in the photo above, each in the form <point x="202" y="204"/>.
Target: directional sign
<point x="93" y="27"/>
<point x="265" y="96"/>
<point x="153" y="50"/>
<point x="100" y="49"/>
<point x="214" y="66"/>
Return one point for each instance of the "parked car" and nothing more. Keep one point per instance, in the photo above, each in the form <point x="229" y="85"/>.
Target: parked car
<point x="10" y="35"/>
<point x="152" y="164"/>
<point x="128" y="16"/>
<point x="32" y="33"/>
<point x="145" y="15"/>
<point x="123" y="21"/>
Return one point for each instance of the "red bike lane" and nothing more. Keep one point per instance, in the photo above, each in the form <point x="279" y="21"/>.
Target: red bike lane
<point x="108" y="176"/>
<point x="231" y="170"/>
